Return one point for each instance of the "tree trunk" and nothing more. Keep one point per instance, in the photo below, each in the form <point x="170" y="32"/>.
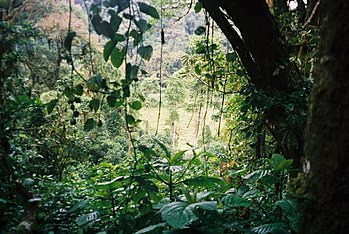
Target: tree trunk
<point x="264" y="55"/>
<point x="325" y="207"/>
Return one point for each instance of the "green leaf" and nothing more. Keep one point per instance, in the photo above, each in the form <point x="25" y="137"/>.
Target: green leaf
<point x="152" y="228"/>
<point x="256" y="175"/>
<point x="126" y="91"/>
<point x="117" y="57"/>
<point x="113" y="3"/>
<point x="198" y="7"/>
<point x="149" y="10"/>
<point x="122" y="5"/>
<point x="87" y="218"/>
<point x="230" y="57"/>
<point x="269" y="228"/>
<point x="96" y="23"/>
<point x="164" y="148"/>
<point x="119" y="37"/>
<point x="178" y="214"/>
<point x="130" y="119"/>
<point x="137" y="37"/>
<point x="202" y="195"/>
<point x="90" y="124"/>
<point x="115" y="21"/>
<point x="232" y="200"/>
<point x="131" y="72"/>
<point x="78" y="90"/>
<point x="145" y="52"/>
<point x="142" y="25"/>
<point x="108" y="48"/>
<point x="69" y="40"/>
<point x="200" y="30"/>
<point x="200" y="49"/>
<point x="198" y="70"/>
<point x="136" y="105"/>
<point x="119" y="103"/>
<point x="111" y="101"/>
<point x="207" y="182"/>
<point x="79" y="205"/>
<point x="206" y="205"/>
<point x="94" y="104"/>
<point x="95" y="83"/>
<point x="284" y="165"/>
<point x="148" y="152"/>
<point x="114" y="183"/>
<point x="147" y="184"/>
<point x="68" y="93"/>
<point x="269" y="180"/>
<point x="177" y="156"/>
<point x="287" y="206"/>
<point x="280" y="163"/>
<point x="51" y="105"/>
<point x="106" y="29"/>
<point x="128" y="16"/>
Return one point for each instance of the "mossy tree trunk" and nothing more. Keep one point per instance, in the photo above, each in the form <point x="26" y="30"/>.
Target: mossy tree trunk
<point x="325" y="207"/>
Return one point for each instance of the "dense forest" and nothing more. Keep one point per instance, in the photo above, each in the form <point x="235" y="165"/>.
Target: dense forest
<point x="176" y="117"/>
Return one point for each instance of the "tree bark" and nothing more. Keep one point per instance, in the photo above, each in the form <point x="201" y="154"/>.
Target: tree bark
<point x="325" y="207"/>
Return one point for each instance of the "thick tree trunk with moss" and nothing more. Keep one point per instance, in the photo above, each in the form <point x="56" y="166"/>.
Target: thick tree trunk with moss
<point x="264" y="54"/>
<point x="326" y="202"/>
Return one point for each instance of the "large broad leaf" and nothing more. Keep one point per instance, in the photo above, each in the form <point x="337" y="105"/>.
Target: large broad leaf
<point x="90" y="124"/>
<point x="106" y="29"/>
<point x="145" y="52"/>
<point x="94" y="104"/>
<point x="280" y="163"/>
<point x="287" y="206"/>
<point x="131" y="72"/>
<point x="115" y="20"/>
<point x="130" y="119"/>
<point x="149" y="10"/>
<point x="80" y="205"/>
<point x="142" y="25"/>
<point x="270" y="228"/>
<point x="96" y="23"/>
<point x="256" y="175"/>
<point x="232" y="200"/>
<point x="68" y="93"/>
<point x="111" y="101"/>
<point x="78" y="90"/>
<point x="202" y="195"/>
<point x="178" y="158"/>
<point x="117" y="57"/>
<point x="108" y="48"/>
<point x="87" y="218"/>
<point x="95" y="83"/>
<point x="152" y="228"/>
<point x="114" y="183"/>
<point x="207" y="182"/>
<point x="164" y="148"/>
<point x="180" y="214"/>
<point x="122" y="4"/>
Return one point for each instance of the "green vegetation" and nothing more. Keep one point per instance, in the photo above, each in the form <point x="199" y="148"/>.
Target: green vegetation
<point x="121" y="116"/>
